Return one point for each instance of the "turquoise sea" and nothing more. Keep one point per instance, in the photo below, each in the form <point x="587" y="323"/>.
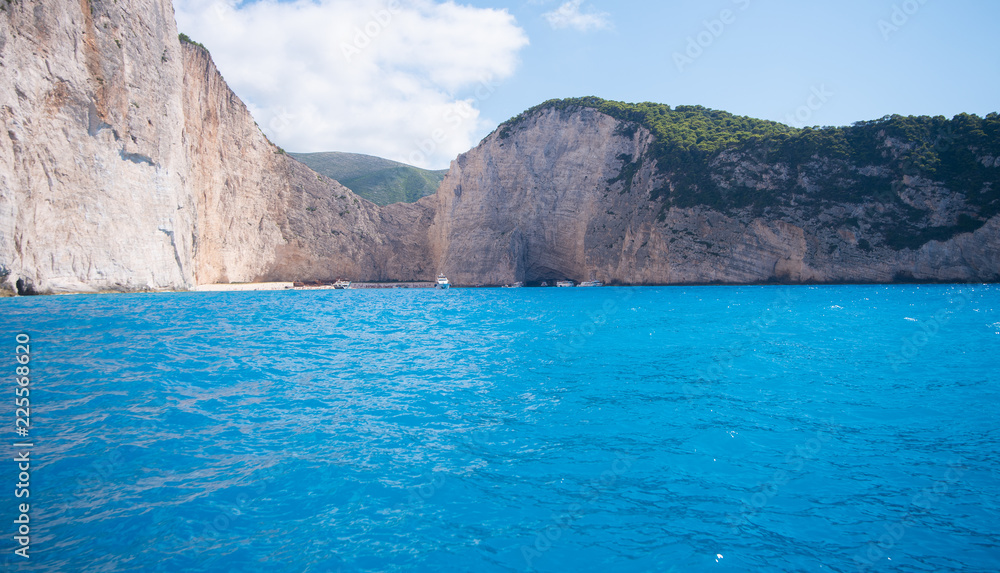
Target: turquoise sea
<point x="843" y="428"/>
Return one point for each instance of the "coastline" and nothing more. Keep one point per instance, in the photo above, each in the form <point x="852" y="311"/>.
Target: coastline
<point x="227" y="287"/>
<point x="288" y="286"/>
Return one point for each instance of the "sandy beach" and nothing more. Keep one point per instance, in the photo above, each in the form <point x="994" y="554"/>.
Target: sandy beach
<point x="243" y="287"/>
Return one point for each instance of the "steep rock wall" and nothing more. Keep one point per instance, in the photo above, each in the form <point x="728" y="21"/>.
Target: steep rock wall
<point x="261" y="215"/>
<point x="91" y="160"/>
<point x="128" y="164"/>
<point x="570" y="194"/>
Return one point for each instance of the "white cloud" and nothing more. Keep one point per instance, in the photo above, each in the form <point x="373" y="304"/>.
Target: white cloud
<point x="398" y="79"/>
<point x="569" y="16"/>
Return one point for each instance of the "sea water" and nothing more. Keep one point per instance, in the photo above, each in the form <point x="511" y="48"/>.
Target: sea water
<point x="845" y="428"/>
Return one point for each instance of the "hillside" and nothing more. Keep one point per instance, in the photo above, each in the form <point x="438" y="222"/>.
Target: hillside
<point x="695" y="149"/>
<point x="648" y="194"/>
<point x="381" y="181"/>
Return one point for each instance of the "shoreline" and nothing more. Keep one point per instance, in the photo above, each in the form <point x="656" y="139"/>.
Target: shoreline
<point x="288" y="286"/>
<point x="239" y="287"/>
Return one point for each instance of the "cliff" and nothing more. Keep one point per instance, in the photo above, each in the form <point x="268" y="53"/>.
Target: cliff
<point x="566" y="190"/>
<point x="128" y="164"/>
<point x="264" y="216"/>
<point x="91" y="160"/>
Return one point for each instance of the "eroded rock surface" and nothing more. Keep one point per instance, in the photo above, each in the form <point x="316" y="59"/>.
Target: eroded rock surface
<point x="127" y="163"/>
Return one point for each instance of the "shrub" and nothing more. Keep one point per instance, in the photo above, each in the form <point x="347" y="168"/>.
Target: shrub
<point x="185" y="39"/>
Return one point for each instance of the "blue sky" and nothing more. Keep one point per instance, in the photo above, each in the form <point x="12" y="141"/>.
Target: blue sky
<point x="945" y="58"/>
<point x="436" y="77"/>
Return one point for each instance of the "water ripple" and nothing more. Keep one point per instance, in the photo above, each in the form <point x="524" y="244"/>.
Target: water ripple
<point x="538" y="429"/>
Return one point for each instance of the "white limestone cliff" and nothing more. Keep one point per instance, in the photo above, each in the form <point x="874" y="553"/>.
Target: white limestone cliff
<point x="544" y="200"/>
<point x="127" y="164"/>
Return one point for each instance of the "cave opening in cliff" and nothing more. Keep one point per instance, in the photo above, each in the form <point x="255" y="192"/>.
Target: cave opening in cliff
<point x="536" y="273"/>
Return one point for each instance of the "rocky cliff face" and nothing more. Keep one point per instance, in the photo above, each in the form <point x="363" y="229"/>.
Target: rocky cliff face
<point x="575" y="194"/>
<point x="261" y="215"/>
<point x="127" y="164"/>
<point x="537" y="205"/>
<point x="91" y="160"/>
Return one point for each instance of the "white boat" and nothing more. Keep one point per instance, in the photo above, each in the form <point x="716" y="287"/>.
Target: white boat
<point x="514" y="285"/>
<point x="565" y="284"/>
<point x="442" y="282"/>
<point x="591" y="284"/>
<point x="342" y="284"/>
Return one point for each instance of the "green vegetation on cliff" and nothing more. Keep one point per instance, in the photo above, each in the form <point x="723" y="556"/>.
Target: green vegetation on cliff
<point x="693" y="131"/>
<point x="381" y="181"/>
<point x="185" y="39"/>
<point x="732" y="164"/>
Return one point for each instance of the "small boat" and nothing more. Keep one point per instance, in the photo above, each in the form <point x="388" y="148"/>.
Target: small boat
<point x="591" y="284"/>
<point x="565" y="284"/>
<point x="514" y="285"/>
<point x="442" y="282"/>
<point x="545" y="283"/>
<point x="342" y="284"/>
